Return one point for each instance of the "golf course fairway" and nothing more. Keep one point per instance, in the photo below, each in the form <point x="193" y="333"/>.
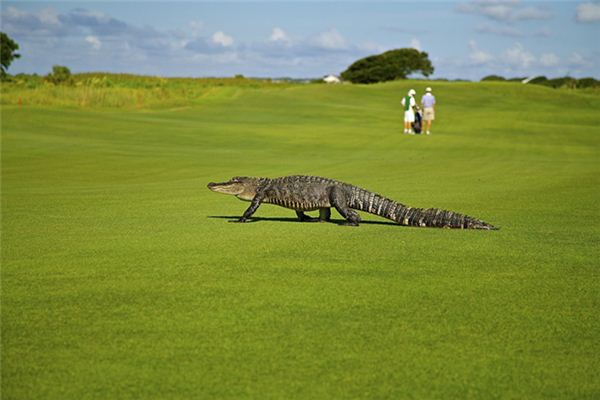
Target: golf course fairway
<point x="122" y="276"/>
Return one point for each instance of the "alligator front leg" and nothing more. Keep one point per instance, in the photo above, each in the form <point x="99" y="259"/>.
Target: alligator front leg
<point x="252" y="209"/>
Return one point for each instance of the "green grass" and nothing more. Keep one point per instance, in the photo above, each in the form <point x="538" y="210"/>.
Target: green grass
<point x="122" y="278"/>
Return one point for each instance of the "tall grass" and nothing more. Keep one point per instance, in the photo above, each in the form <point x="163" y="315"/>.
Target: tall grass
<point x="86" y="96"/>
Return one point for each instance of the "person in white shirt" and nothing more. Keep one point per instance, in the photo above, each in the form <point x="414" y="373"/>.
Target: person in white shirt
<point x="409" y="104"/>
<point x="428" y="103"/>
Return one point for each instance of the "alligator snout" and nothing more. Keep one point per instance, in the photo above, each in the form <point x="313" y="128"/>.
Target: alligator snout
<point x="217" y="186"/>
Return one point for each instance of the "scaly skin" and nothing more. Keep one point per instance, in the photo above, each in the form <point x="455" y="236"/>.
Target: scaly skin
<point x="310" y="193"/>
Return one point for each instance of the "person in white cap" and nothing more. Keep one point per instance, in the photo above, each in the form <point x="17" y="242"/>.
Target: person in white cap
<point x="409" y="103"/>
<point x="428" y="103"/>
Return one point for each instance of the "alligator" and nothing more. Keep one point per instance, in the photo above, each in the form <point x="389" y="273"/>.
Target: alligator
<point x="311" y="193"/>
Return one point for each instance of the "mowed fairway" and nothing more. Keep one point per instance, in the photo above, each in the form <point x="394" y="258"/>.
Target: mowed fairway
<point x="123" y="278"/>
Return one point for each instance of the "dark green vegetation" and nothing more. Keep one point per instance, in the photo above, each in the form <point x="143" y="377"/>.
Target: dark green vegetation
<point x="389" y="66"/>
<point x="8" y="48"/>
<point x="122" y="277"/>
<point x="566" y="82"/>
<point x="60" y="75"/>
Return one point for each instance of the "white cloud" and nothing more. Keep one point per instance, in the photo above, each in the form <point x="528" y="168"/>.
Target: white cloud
<point x="14" y="13"/>
<point x="415" y="44"/>
<point x="503" y="10"/>
<point x="94" y="42"/>
<point x="49" y="17"/>
<point x="278" y="35"/>
<point x="496" y="11"/>
<point x="477" y="56"/>
<point x="518" y="57"/>
<point x="195" y="27"/>
<point x="331" y="39"/>
<point x="588" y="12"/>
<point x="530" y="13"/>
<point x="549" y="60"/>
<point x="514" y="58"/>
<point x="501" y="30"/>
<point x="42" y="23"/>
<point x="222" y="39"/>
<point x="480" y="57"/>
<point x="577" y="60"/>
<point x="96" y="22"/>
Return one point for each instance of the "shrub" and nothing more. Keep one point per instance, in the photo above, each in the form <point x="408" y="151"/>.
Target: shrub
<point x="60" y="75"/>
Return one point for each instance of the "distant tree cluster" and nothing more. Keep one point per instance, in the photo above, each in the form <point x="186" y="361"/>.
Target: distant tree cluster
<point x="564" y="82"/>
<point x="388" y="66"/>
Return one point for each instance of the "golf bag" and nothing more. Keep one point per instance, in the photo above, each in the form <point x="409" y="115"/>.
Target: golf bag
<point x="418" y="124"/>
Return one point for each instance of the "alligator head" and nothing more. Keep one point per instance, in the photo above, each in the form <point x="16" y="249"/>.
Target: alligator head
<point x="243" y="187"/>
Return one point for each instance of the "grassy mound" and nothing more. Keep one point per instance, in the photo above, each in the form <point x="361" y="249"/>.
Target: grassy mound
<point x="121" y="276"/>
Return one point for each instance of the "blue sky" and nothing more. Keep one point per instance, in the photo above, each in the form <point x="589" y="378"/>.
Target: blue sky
<point x="465" y="39"/>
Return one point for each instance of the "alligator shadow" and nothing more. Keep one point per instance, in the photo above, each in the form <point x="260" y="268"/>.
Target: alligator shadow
<point x="294" y="220"/>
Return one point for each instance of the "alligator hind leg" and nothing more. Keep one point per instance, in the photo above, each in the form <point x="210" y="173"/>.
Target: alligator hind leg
<point x="324" y="214"/>
<point x="339" y="200"/>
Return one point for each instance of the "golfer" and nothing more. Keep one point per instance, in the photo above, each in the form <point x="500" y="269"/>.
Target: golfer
<point x="428" y="103"/>
<point x="409" y="103"/>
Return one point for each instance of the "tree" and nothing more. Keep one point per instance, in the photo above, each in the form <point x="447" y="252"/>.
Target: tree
<point x="388" y="66"/>
<point x="492" y="78"/>
<point x="59" y="74"/>
<point x="539" y="80"/>
<point x="564" y="82"/>
<point x="588" y="83"/>
<point x="7" y="49"/>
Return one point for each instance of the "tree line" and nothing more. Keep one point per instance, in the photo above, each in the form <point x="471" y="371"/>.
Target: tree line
<point x="562" y="82"/>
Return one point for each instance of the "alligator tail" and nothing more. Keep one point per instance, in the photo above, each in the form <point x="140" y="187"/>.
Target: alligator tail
<point x="430" y="217"/>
